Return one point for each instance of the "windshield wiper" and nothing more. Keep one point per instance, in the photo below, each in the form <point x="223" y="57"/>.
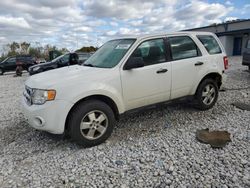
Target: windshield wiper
<point x="89" y="65"/>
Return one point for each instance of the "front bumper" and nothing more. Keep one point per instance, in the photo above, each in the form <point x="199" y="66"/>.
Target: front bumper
<point x="31" y="72"/>
<point x="50" y="117"/>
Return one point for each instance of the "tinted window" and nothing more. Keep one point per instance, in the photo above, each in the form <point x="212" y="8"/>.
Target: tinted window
<point x="11" y="61"/>
<point x="248" y="44"/>
<point x="183" y="47"/>
<point x="24" y="59"/>
<point x="210" y="44"/>
<point x="74" y="59"/>
<point x="64" y="59"/>
<point x="152" y="51"/>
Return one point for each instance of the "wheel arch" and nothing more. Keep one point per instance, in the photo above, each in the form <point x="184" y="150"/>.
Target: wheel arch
<point x="213" y="75"/>
<point x="2" y="70"/>
<point x="110" y="102"/>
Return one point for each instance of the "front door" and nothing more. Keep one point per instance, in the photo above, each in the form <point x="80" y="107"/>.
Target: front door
<point x="10" y="64"/>
<point x="149" y="84"/>
<point x="237" y="46"/>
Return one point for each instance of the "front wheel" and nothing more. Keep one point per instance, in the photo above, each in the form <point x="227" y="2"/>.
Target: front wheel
<point x="1" y="71"/>
<point x="206" y="94"/>
<point x="91" y="123"/>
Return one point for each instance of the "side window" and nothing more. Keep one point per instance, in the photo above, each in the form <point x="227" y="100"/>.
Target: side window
<point x="210" y="44"/>
<point x="248" y="44"/>
<point x="11" y="61"/>
<point x="83" y="57"/>
<point x="151" y="51"/>
<point x="183" y="47"/>
<point x="64" y="59"/>
<point x="74" y="59"/>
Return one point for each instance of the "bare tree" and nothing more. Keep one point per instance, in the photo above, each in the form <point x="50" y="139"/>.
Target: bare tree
<point x="14" y="46"/>
<point x="24" y="47"/>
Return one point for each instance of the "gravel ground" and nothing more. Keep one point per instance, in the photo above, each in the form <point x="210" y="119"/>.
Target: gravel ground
<point x="153" y="148"/>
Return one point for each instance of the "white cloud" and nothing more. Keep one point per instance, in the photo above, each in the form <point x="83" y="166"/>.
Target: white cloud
<point x="230" y="19"/>
<point x="111" y="33"/>
<point x="6" y="21"/>
<point x="229" y="3"/>
<point x="114" y="24"/>
<point x="74" y="23"/>
<point x="83" y="29"/>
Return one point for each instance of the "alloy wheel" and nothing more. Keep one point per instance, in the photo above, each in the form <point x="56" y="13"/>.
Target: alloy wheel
<point x="208" y="94"/>
<point x="94" y="125"/>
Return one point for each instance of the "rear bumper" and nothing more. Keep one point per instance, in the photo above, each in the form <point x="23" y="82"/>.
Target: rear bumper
<point x="31" y="72"/>
<point x="223" y="81"/>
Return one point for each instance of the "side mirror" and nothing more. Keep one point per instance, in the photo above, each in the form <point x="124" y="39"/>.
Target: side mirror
<point x="134" y="62"/>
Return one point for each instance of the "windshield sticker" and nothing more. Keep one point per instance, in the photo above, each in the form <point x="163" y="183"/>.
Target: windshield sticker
<point x="123" y="46"/>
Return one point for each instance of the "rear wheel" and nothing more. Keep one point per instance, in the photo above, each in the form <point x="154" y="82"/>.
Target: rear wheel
<point x="206" y="94"/>
<point x="1" y="71"/>
<point x="91" y="123"/>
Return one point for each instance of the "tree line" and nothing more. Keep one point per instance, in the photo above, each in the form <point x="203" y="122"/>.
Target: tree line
<point x="24" y="48"/>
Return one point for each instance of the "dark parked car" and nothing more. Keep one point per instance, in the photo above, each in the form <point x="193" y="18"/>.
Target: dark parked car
<point x="10" y="63"/>
<point x="246" y="55"/>
<point x="61" y="61"/>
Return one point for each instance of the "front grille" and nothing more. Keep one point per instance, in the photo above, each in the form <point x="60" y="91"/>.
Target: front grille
<point x="27" y="95"/>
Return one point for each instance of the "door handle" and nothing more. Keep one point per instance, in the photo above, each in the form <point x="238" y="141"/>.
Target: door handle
<point x="161" y="71"/>
<point x="198" y="63"/>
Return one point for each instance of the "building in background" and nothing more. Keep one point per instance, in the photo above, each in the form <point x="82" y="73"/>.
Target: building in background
<point x="232" y="34"/>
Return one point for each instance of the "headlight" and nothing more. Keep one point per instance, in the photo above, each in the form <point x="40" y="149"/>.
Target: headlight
<point x="36" y="68"/>
<point x="40" y="96"/>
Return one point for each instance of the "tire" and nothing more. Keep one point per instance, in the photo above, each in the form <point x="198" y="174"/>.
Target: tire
<point x="27" y="69"/>
<point x="1" y="71"/>
<point x="206" y="94"/>
<point x="91" y="123"/>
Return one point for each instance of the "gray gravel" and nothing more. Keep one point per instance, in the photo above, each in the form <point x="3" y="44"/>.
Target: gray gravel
<point x="153" y="148"/>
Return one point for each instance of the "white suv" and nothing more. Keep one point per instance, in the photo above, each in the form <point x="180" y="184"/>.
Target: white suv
<point x="85" y="101"/>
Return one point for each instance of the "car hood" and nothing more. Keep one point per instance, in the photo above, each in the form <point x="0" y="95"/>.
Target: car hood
<point x="70" y="74"/>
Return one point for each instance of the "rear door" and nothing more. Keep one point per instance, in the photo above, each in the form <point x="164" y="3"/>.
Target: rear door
<point x="187" y="62"/>
<point x="246" y="54"/>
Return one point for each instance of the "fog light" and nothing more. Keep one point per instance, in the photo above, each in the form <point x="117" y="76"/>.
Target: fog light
<point x="39" y="121"/>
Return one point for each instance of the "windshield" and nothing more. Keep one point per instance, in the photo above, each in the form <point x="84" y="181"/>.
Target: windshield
<point x="59" y="57"/>
<point x="110" y="54"/>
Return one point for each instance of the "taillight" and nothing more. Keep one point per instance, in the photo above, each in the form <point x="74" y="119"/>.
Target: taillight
<point x="225" y="62"/>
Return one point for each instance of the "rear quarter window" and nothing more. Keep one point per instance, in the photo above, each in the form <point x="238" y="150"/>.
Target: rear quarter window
<point x="210" y="43"/>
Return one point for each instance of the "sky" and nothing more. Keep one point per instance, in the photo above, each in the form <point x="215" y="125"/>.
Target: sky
<point x="76" y="23"/>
